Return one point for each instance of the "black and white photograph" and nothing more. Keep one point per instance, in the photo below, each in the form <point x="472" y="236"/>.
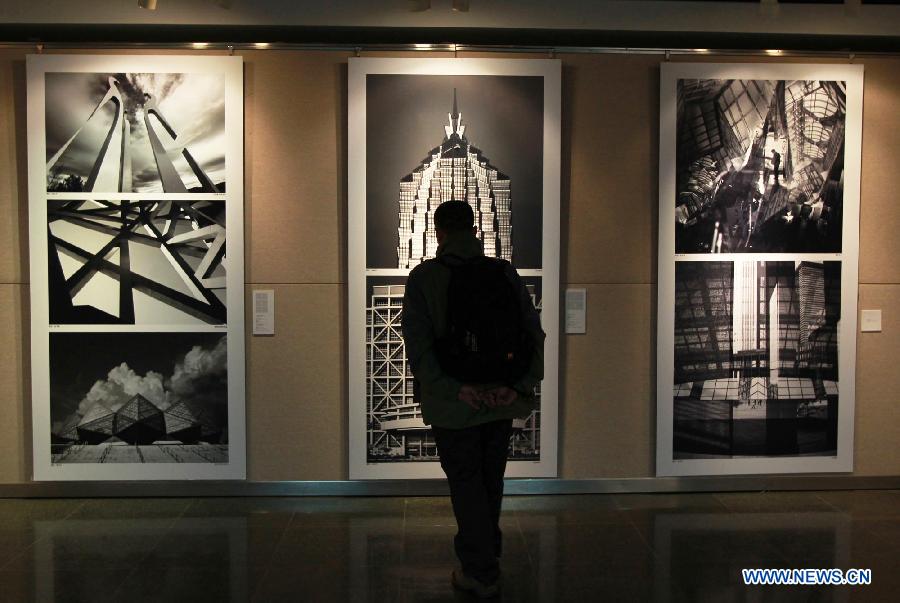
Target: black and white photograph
<point x="395" y="431"/>
<point x="433" y="138"/>
<point x="135" y="132"/>
<point x="136" y="398"/>
<point x="758" y="280"/>
<point x="136" y="262"/>
<point x="756" y="359"/>
<point x="760" y="166"/>
<point x="137" y="268"/>
<point x="422" y="132"/>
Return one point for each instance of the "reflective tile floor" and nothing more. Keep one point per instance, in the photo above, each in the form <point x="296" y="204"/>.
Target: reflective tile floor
<point x="637" y="547"/>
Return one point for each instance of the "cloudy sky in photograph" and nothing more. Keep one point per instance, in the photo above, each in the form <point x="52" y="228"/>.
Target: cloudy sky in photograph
<point x="165" y="368"/>
<point x="192" y="103"/>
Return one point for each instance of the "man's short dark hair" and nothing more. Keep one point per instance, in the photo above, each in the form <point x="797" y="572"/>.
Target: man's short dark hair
<point x="454" y="216"/>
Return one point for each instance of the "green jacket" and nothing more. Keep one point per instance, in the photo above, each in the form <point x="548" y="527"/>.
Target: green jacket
<point x="425" y="320"/>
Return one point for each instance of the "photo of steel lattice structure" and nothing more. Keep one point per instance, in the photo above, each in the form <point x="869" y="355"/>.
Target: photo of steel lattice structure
<point x="760" y="166"/>
<point x="135" y="132"/>
<point x="453" y="170"/>
<point x="394" y="427"/>
<point x="139" y="398"/>
<point x="136" y="262"/>
<point x="756" y="359"/>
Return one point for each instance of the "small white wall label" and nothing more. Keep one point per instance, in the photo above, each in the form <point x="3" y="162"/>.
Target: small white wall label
<point x="871" y="321"/>
<point x="263" y="312"/>
<point x="576" y="307"/>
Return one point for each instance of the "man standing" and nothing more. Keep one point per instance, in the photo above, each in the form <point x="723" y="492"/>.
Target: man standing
<point x="776" y="164"/>
<point x="469" y="394"/>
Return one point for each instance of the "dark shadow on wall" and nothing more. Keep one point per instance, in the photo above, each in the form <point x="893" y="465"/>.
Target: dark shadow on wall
<point x="565" y="183"/>
<point x="23" y="311"/>
<point x="653" y="164"/>
<point x="249" y="143"/>
<point x="249" y="140"/>
<point x="341" y="118"/>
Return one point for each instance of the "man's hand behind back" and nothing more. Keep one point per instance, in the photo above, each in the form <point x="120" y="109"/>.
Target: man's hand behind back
<point x="504" y="396"/>
<point x="470" y="395"/>
<point x="492" y="397"/>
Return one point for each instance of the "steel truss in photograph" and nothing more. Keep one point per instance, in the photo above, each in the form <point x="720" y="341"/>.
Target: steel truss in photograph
<point x="760" y="166"/>
<point x="173" y="252"/>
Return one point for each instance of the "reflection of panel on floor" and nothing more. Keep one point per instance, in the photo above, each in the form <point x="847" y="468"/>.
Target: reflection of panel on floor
<point x="120" y="452"/>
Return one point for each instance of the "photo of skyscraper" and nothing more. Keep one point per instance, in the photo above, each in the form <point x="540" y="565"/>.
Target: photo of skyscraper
<point x="454" y="170"/>
<point x="422" y="133"/>
<point x="471" y="138"/>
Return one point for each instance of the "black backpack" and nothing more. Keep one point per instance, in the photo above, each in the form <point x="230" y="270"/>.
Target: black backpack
<point x="485" y="340"/>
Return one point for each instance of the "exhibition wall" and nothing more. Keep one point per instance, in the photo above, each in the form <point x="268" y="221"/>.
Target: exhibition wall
<point x="295" y="119"/>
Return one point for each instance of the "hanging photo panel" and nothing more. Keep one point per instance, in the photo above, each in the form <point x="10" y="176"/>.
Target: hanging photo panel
<point x="423" y="131"/>
<point x="758" y="263"/>
<point x="136" y="267"/>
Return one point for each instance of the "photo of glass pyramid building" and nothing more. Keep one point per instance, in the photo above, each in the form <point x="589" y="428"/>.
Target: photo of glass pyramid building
<point x="140" y="432"/>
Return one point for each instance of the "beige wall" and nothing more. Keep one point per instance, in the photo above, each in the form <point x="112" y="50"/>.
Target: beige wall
<point x="295" y="118"/>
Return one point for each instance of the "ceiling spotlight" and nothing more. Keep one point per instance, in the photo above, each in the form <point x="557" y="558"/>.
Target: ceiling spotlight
<point x="461" y="6"/>
<point x="148" y="4"/>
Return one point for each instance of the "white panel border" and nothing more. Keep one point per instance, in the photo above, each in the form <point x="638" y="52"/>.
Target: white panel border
<point x="670" y="73"/>
<point x="359" y="68"/>
<point x="231" y="70"/>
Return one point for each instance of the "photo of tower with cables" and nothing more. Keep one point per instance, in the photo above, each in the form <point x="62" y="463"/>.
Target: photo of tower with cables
<point x="756" y="358"/>
<point x="135" y="132"/>
<point x="759" y="166"/>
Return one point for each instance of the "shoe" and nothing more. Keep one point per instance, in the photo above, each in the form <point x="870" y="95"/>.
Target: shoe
<point x="462" y="581"/>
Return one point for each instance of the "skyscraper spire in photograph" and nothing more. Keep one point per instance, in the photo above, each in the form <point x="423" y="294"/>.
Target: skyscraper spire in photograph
<point x="453" y="170"/>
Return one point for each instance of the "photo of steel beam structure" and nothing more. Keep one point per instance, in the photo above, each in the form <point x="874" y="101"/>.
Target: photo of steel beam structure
<point x="137" y="266"/>
<point x="756" y="359"/>
<point x="137" y="262"/>
<point x="760" y="166"/>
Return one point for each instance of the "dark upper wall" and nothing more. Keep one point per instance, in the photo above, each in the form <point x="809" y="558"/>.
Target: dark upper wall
<point x="852" y="18"/>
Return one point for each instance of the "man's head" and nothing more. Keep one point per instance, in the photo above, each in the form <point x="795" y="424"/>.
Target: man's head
<point x="451" y="217"/>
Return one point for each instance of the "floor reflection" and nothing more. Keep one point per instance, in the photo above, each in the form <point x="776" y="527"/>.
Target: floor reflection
<point x="635" y="547"/>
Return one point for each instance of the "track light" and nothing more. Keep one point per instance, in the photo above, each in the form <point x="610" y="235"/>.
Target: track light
<point x="148" y="4"/>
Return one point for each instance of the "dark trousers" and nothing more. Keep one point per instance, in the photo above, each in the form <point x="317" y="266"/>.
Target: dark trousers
<point x="474" y="460"/>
